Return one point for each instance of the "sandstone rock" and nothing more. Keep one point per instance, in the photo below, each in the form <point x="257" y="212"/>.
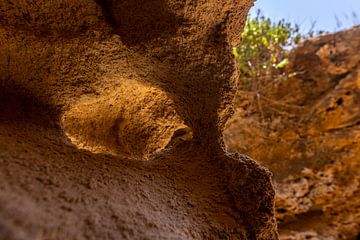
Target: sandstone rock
<point x="310" y="138"/>
<point x="88" y="88"/>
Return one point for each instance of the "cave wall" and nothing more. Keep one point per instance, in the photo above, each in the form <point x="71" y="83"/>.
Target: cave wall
<point x="111" y="120"/>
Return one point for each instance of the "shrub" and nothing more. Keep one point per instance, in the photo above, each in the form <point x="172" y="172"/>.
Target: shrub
<point x="262" y="55"/>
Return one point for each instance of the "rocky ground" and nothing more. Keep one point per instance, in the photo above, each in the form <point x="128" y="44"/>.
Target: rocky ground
<point x="306" y="130"/>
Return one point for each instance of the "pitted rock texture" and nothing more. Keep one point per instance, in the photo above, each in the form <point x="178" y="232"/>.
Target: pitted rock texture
<point x="133" y="120"/>
<point x="90" y="89"/>
<point x="310" y="138"/>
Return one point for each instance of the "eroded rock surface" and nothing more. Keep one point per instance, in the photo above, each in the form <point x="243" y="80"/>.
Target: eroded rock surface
<point x="309" y="135"/>
<point x="90" y="89"/>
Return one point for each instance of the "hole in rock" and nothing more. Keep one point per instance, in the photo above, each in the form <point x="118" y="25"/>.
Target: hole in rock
<point x="281" y="210"/>
<point x="339" y="101"/>
<point x="134" y="120"/>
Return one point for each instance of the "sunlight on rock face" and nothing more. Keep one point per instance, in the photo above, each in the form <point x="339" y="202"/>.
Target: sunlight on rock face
<point x="133" y="120"/>
<point x="309" y="138"/>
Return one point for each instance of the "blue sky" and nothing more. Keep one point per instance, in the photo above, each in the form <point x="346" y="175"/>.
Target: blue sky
<point x="304" y="12"/>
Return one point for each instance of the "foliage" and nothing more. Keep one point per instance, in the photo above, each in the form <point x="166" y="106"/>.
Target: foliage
<point x="263" y="52"/>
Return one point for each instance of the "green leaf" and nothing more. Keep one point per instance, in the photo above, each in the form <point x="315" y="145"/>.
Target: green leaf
<point x="236" y="53"/>
<point x="264" y="41"/>
<point x="282" y="64"/>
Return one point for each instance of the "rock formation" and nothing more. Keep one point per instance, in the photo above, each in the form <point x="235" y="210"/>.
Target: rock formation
<point x="90" y="89"/>
<point x="308" y="134"/>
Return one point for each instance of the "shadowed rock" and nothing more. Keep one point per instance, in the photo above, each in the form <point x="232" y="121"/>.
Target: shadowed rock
<point x="90" y="87"/>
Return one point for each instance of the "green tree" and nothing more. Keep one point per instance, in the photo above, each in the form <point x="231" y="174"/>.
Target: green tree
<point x="262" y="55"/>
